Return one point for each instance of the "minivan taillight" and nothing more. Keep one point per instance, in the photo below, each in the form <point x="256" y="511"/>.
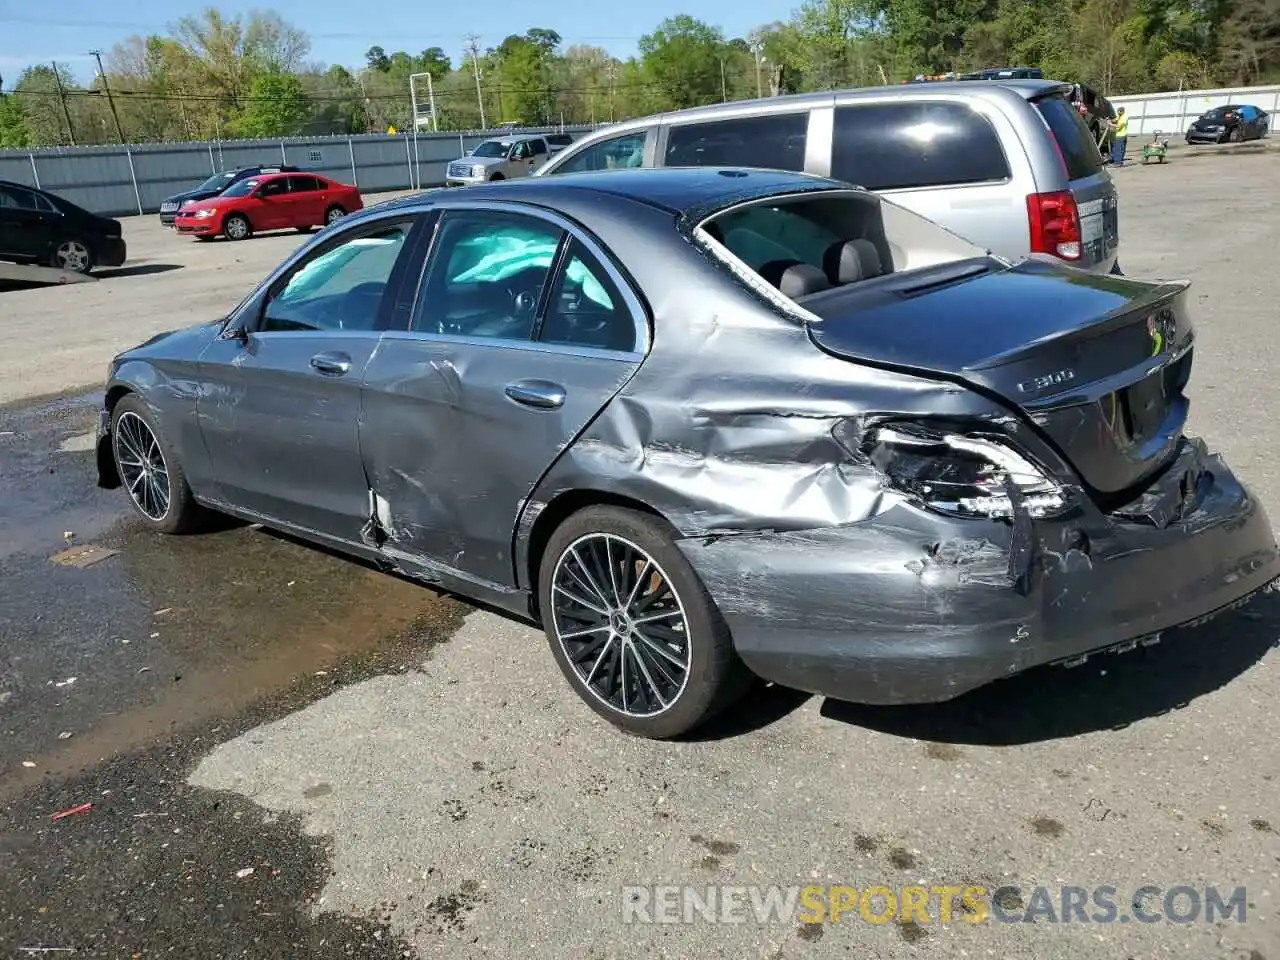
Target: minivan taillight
<point x="1054" y="219"/>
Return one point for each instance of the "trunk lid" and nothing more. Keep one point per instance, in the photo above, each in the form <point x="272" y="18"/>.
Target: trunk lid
<point x="1099" y="363"/>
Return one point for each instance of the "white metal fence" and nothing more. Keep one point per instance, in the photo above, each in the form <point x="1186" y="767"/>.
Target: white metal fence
<point x="1171" y="113"/>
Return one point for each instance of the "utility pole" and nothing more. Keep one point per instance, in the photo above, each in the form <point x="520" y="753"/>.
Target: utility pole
<point x="613" y="67"/>
<point x="62" y="95"/>
<point x="105" y="86"/>
<point x="474" y="47"/>
<point x="724" y="91"/>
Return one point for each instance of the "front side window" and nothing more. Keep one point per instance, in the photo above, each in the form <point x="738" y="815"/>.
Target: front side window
<point x="341" y="287"/>
<point x="774" y="141"/>
<point x="273" y="188"/>
<point x="901" y="146"/>
<point x="486" y="275"/>
<point x="613" y="154"/>
<point x="18" y="199"/>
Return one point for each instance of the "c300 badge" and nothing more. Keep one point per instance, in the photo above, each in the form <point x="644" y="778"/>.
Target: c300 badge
<point x="1036" y="384"/>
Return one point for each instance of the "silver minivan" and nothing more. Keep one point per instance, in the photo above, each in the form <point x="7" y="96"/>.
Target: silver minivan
<point x="1008" y="164"/>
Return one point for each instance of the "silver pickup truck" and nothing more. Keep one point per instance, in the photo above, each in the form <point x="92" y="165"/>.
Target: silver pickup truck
<point x="505" y="158"/>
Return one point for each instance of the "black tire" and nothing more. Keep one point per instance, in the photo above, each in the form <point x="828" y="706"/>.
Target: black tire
<point x="496" y="176"/>
<point x="182" y="514"/>
<point x="334" y="213"/>
<point x="232" y="232"/>
<point x="307" y="229"/>
<point x="714" y="678"/>
<point x="1236" y="135"/>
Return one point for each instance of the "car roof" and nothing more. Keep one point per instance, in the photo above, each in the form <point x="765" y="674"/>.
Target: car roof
<point x="673" y="189"/>
<point x="992" y="90"/>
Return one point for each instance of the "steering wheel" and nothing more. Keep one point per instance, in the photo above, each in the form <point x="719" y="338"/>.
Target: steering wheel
<point x="523" y="295"/>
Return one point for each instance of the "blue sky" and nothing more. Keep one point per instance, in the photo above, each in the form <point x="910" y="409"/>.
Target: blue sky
<point x="341" y="30"/>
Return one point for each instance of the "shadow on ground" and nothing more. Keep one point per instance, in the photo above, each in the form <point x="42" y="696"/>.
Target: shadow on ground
<point x="1108" y="692"/>
<point x="137" y="270"/>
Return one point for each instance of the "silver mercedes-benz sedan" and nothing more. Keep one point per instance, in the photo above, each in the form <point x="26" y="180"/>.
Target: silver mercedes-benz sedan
<point x="705" y="424"/>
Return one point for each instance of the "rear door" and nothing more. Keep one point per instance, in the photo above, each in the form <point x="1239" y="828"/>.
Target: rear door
<point x="522" y="331"/>
<point x="1088" y="181"/>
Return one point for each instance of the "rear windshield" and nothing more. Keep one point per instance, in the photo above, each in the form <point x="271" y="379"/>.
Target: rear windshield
<point x="1079" y="151"/>
<point x="810" y="243"/>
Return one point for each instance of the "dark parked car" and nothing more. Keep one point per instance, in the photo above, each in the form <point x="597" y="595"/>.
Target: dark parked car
<point x="212" y="187"/>
<point x="1231" y="123"/>
<point x="42" y="228"/>
<point x="709" y="422"/>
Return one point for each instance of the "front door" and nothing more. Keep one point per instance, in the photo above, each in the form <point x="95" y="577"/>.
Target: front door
<point x="520" y="335"/>
<point x="274" y="207"/>
<point x="279" y="412"/>
<point x="26" y="224"/>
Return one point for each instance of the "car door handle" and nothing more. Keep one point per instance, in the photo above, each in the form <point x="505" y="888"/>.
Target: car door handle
<point x="331" y="364"/>
<point x="542" y="394"/>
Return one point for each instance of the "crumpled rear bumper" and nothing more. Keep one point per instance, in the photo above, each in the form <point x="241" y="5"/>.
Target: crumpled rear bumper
<point x="915" y="607"/>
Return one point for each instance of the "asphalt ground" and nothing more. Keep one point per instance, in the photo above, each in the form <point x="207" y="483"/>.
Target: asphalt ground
<point x="405" y="775"/>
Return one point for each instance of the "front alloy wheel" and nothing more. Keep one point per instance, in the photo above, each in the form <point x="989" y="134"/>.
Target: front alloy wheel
<point x="149" y="469"/>
<point x="74" y="256"/>
<point x="142" y="466"/>
<point x="631" y="626"/>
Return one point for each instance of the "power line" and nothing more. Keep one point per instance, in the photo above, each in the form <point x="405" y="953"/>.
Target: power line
<point x="326" y="98"/>
<point x="340" y="35"/>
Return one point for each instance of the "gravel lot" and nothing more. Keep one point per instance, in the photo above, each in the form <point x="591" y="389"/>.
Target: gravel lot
<point x="473" y="807"/>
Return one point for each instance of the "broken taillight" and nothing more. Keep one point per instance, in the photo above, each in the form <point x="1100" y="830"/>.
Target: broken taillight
<point x="1054" y="220"/>
<point x="961" y="475"/>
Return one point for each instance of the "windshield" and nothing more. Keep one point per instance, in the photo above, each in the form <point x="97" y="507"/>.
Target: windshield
<point x="1217" y="113"/>
<point x="491" y="148"/>
<point x="241" y="189"/>
<point x="216" y="182"/>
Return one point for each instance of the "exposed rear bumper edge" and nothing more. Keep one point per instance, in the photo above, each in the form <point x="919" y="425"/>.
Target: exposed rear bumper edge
<point x="910" y="607"/>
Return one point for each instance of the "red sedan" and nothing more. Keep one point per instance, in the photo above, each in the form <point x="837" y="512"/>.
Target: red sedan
<point x="276" y="201"/>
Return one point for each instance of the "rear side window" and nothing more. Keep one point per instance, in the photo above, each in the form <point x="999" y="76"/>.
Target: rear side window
<point x="897" y="146"/>
<point x="1079" y="152"/>
<point x="774" y="141"/>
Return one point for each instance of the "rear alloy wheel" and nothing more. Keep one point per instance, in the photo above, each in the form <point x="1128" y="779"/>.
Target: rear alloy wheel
<point x="74" y="256"/>
<point x="149" y="469"/>
<point x="334" y="214"/>
<point x="632" y="627"/>
<point x="236" y="227"/>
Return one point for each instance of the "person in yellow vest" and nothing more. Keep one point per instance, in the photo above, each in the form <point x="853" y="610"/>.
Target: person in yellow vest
<point x="1121" y="138"/>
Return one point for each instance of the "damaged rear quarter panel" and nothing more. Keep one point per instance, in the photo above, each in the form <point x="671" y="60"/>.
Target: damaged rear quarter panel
<point x="727" y="426"/>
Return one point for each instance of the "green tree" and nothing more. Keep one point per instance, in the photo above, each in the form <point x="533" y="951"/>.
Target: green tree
<point x="277" y="107"/>
<point x="13" y="122"/>
<point x="682" y="60"/>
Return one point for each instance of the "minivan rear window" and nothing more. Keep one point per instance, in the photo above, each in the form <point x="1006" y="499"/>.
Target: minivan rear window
<point x="896" y="146"/>
<point x="1079" y="152"/>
